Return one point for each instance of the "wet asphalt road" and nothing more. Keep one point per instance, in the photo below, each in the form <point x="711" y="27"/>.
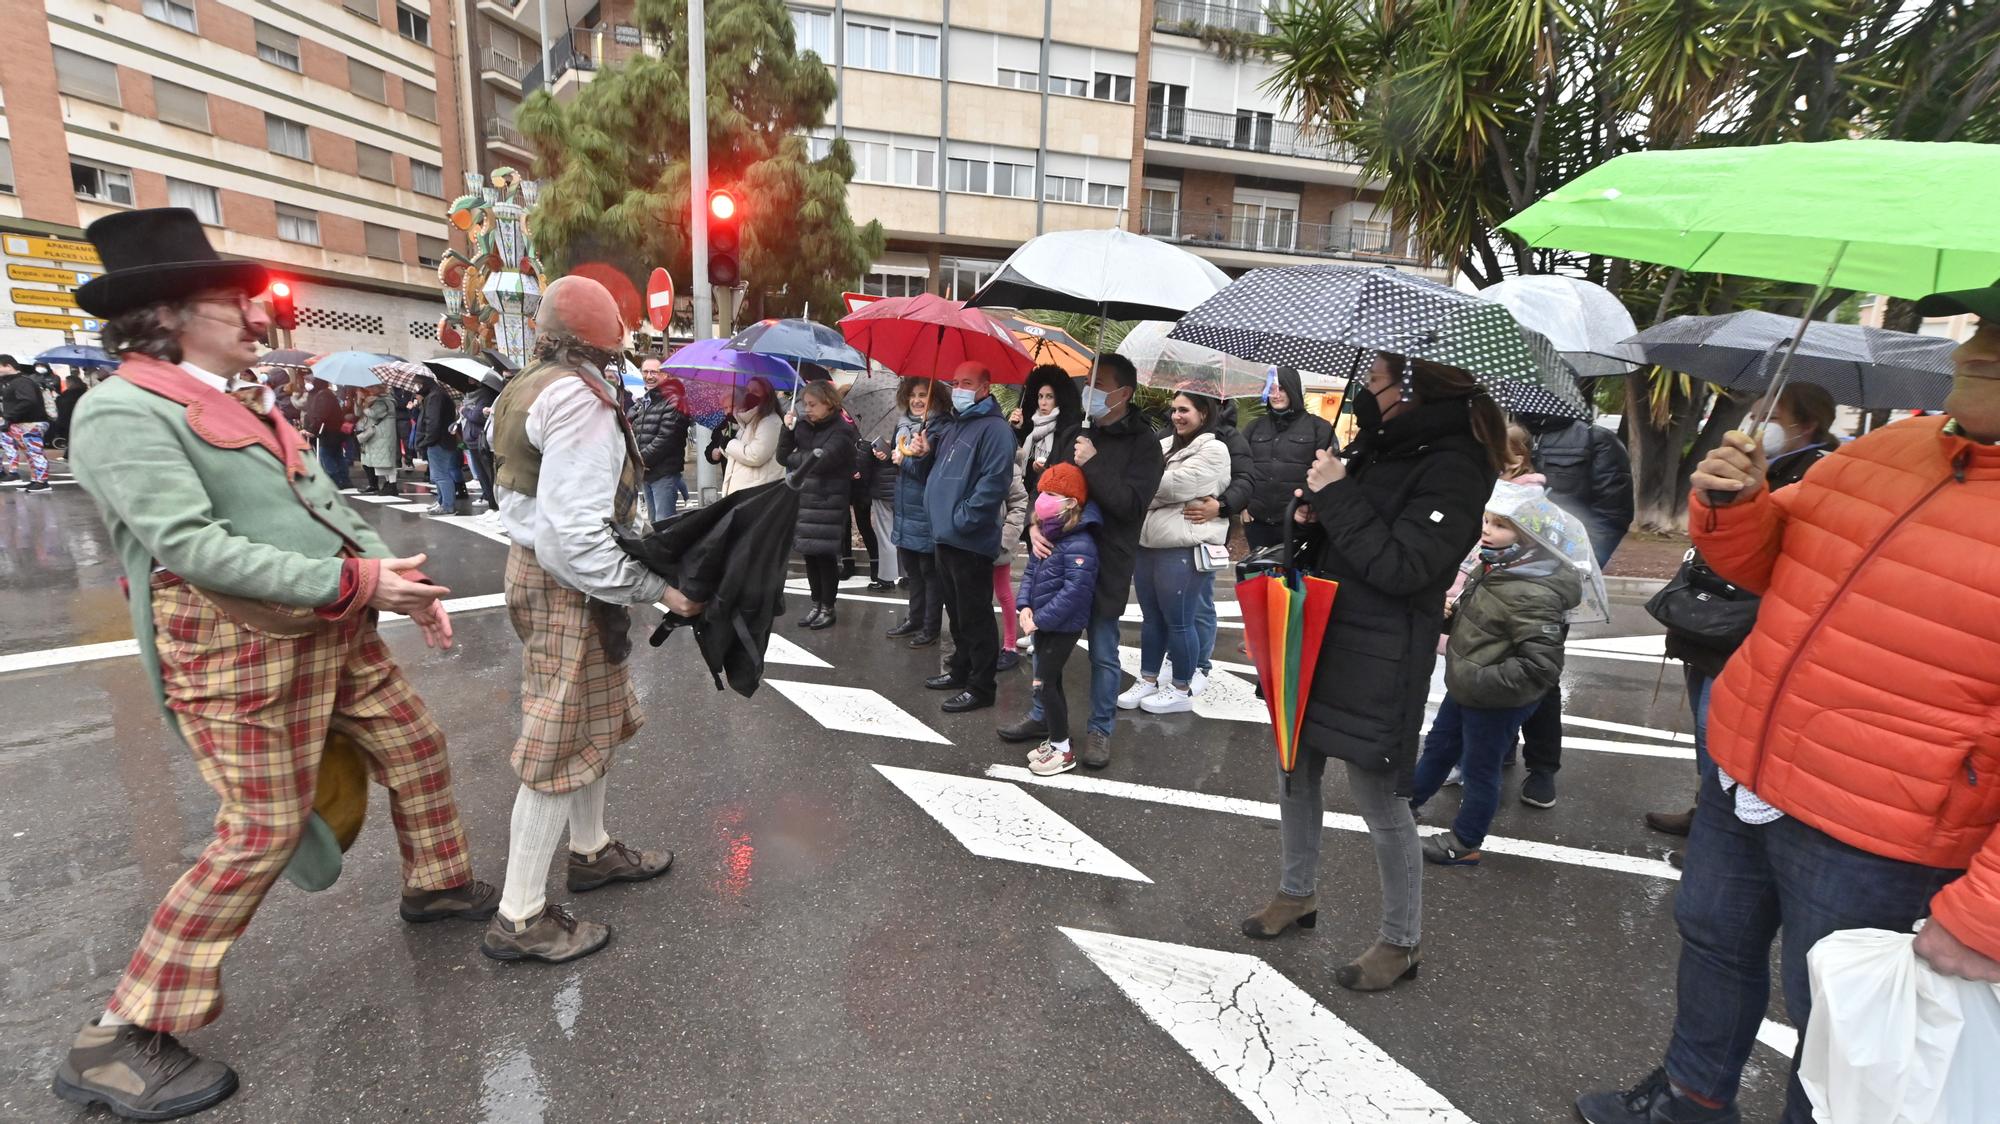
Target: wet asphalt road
<point x="823" y="949"/>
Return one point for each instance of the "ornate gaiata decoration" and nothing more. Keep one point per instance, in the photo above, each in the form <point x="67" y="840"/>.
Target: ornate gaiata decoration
<point x="491" y="297"/>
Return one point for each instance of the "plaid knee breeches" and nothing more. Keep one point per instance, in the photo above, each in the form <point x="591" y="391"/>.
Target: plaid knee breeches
<point x="256" y="710"/>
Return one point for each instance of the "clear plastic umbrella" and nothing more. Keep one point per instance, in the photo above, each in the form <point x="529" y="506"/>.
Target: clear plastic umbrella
<point x="1584" y="322"/>
<point x="1559" y="534"/>
<point x="1177" y="365"/>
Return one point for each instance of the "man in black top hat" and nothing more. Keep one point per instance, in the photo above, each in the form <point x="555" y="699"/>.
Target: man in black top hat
<point x="24" y="419"/>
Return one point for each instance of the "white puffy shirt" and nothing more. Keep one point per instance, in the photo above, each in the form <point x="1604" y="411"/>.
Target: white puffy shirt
<point x="565" y="522"/>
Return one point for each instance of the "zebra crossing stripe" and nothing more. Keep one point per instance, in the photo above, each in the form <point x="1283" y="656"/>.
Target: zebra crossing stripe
<point x="999" y="821"/>
<point x="1268" y="1042"/>
<point x="855" y="710"/>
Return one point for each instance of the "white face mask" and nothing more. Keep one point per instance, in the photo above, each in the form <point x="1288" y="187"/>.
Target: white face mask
<point x="1775" y="439"/>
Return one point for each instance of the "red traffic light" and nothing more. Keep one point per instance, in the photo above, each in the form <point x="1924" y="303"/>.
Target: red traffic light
<point x="280" y="290"/>
<point x="284" y="312"/>
<point x="721" y="205"/>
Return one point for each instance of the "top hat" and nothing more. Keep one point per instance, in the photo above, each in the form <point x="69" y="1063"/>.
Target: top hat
<point x="157" y="255"/>
<point x="1983" y="303"/>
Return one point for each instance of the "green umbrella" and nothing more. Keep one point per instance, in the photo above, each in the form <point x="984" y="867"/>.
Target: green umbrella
<point x="1898" y="217"/>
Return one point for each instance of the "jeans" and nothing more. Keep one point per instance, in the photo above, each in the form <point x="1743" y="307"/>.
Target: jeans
<point x="1204" y="622"/>
<point x="444" y="474"/>
<point x="926" y="596"/>
<point x="1104" y="676"/>
<point x="482" y="470"/>
<point x="1475" y="739"/>
<point x="1698" y="687"/>
<point x="1169" y="601"/>
<point x="1398" y="853"/>
<point x="1741" y="888"/>
<point x="1052" y="652"/>
<point x="663" y="496"/>
<point x="1542" y="734"/>
<point x="967" y="580"/>
<point x="333" y="460"/>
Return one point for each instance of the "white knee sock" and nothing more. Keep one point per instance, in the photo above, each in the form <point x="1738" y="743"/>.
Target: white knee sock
<point x="537" y="828"/>
<point x="586" y="819"/>
<point x="111" y="1018"/>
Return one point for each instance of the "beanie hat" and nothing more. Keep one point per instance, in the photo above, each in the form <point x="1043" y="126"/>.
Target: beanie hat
<point x="1064" y="480"/>
<point x="581" y="309"/>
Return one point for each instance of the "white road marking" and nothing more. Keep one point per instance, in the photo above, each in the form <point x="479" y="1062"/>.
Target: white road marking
<point x="377" y="499"/>
<point x="117" y="649"/>
<point x="781" y="650"/>
<point x="856" y="710"/>
<point x="999" y="821"/>
<point x="1651" y="645"/>
<point x="1282" y="1054"/>
<point x="1628" y="728"/>
<point x="1227" y="699"/>
<point x="1255" y="809"/>
<point x="1633" y="749"/>
<point x="1779" y="1037"/>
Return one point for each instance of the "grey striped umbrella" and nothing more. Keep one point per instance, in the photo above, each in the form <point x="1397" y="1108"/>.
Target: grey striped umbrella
<point x="1870" y="368"/>
<point x="1331" y="318"/>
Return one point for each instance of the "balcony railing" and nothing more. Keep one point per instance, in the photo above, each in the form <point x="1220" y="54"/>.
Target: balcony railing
<point x="1277" y="234"/>
<point x="493" y="62"/>
<point x="1174" y="15"/>
<point x="499" y="129"/>
<point x="1242" y="132"/>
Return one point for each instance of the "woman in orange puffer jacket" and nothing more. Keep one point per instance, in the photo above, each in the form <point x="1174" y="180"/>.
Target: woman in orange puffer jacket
<point x="1856" y="733"/>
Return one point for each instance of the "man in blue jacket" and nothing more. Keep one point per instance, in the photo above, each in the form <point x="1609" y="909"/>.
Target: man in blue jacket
<point x="965" y="495"/>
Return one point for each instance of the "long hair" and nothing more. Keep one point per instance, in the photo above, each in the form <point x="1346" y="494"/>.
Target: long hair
<point x="825" y="393"/>
<point x="572" y="352"/>
<point x="768" y="404"/>
<point x="1207" y="408"/>
<point x="1435" y="382"/>
<point x="1520" y="451"/>
<point x="153" y="329"/>
<point x="1811" y="404"/>
<point x="940" y="397"/>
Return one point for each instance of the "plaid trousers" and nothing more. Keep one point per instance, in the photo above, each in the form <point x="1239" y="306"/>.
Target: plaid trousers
<point x="576" y="705"/>
<point x="256" y="710"/>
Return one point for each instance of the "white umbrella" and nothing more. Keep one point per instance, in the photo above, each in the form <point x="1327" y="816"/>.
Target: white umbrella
<point x="1111" y="274"/>
<point x="1170" y="364"/>
<point x="1585" y="322"/>
<point x="460" y="373"/>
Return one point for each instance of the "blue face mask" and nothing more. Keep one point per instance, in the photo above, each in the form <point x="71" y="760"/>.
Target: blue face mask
<point x="963" y="399"/>
<point x="1096" y="403"/>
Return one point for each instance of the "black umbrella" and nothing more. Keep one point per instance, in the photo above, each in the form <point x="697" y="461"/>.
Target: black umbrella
<point x="871" y="402"/>
<point x="731" y="557"/>
<point x="285" y="357"/>
<point x="1870" y="368"/>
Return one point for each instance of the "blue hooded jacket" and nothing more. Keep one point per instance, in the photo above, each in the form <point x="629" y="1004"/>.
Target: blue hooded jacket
<point x="1060" y="588"/>
<point x="966" y="478"/>
<point x="912" y="528"/>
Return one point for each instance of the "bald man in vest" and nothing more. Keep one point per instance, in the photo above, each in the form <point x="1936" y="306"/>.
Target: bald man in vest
<point x="566" y="466"/>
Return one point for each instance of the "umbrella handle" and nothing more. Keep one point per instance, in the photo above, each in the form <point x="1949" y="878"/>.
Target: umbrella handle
<point x="1291" y="522"/>
<point x="796" y="478"/>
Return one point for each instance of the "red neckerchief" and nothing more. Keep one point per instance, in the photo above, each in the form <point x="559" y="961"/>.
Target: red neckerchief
<point x="218" y="417"/>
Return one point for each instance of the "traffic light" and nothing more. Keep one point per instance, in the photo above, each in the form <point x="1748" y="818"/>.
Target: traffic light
<point x="284" y="314"/>
<point x="725" y="241"/>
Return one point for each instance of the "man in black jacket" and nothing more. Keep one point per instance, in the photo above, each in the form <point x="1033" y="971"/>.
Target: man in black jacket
<point x="440" y="446"/>
<point x="1122" y="464"/>
<point x="1590" y="476"/>
<point x="661" y="427"/>
<point x="24" y="418"/>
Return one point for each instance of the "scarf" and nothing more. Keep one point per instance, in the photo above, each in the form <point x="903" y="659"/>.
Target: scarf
<point x="1042" y="438"/>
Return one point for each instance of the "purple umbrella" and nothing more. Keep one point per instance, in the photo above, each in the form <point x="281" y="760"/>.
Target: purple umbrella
<point x="712" y="372"/>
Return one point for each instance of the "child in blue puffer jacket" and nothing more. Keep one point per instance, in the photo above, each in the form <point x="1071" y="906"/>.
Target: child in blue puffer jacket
<point x="1055" y="600"/>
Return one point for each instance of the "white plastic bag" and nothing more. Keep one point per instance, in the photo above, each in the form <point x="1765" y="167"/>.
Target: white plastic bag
<point x="1892" y="1042"/>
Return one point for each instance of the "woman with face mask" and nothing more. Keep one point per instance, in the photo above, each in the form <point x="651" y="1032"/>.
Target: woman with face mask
<point x="752" y="455"/>
<point x="1799" y="434"/>
<point x="825" y="481"/>
<point x="920" y="401"/>
<point x="1390" y="523"/>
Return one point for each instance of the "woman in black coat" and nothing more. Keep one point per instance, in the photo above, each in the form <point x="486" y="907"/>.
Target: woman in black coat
<point x="72" y="393"/>
<point x="826" y="483"/>
<point x="1391" y="525"/>
<point x="1050" y="404"/>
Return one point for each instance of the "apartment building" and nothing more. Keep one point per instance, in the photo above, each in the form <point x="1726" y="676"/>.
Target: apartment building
<point x="320" y="136"/>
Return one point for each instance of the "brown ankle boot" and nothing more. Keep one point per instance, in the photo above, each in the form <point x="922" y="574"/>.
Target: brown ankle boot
<point x="554" y="937"/>
<point x="140" y="1074"/>
<point x="1382" y="967"/>
<point x="1284" y="910"/>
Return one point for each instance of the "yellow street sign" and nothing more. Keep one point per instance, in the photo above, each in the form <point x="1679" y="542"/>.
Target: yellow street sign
<point x="54" y="249"/>
<point x="48" y="320"/>
<point x="45" y="274"/>
<point x="44" y="298"/>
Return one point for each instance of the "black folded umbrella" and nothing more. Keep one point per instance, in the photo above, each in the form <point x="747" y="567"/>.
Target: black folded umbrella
<point x="731" y="556"/>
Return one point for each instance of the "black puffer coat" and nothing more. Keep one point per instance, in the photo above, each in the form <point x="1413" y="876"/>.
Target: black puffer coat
<point x="661" y="430"/>
<point x="1282" y="447"/>
<point x="1237" y="496"/>
<point x="880" y="475"/>
<point x="1589" y="475"/>
<point x="1392" y="534"/>
<point x="825" y="485"/>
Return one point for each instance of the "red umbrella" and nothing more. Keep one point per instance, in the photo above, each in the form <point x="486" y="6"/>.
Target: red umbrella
<point x="927" y="336"/>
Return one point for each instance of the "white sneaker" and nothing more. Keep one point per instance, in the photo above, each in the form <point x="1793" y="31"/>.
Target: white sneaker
<point x="1167" y="700"/>
<point x="1052" y="761"/>
<point x="1198" y="683"/>
<point x="1455" y="777"/>
<point x="1135" y="694"/>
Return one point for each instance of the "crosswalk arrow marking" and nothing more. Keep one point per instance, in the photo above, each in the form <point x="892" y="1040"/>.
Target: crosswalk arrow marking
<point x="1277" y="1050"/>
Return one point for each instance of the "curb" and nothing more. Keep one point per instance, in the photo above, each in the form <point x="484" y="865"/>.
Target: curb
<point x="1632" y="587"/>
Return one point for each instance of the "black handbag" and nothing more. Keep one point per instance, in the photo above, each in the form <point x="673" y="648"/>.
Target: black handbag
<point x="1701" y="603"/>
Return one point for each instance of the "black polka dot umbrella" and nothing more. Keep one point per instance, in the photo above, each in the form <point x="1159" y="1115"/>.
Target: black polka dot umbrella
<point x="1330" y="318"/>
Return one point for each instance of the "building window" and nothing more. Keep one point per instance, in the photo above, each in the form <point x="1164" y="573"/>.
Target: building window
<point x="1163" y="209"/>
<point x="413" y="25"/>
<point x="384" y="242"/>
<point x="170" y="12"/>
<point x="420" y="102"/>
<point x="179" y="105"/>
<point x="1062" y="189"/>
<point x="277" y="46"/>
<point x="813" y="31"/>
<point x="1020" y="79"/>
<point x="296" y="224"/>
<point x="368" y="81"/>
<point x="366" y="9"/>
<point x="1112" y="87"/>
<point x="962" y="277"/>
<point x="374" y="163"/>
<point x="916" y="167"/>
<point x="1265" y="220"/>
<point x="1073" y="87"/>
<point x="872" y="47"/>
<point x="430" y="251"/>
<point x="884" y="284"/>
<point x="1105" y="195"/>
<point x="886" y="161"/>
<point x="819" y="148"/>
<point x="6" y="167"/>
<point x="426" y="179"/>
<point x="287" y="138"/>
<point x="966" y="175"/>
<point x="101" y="183"/>
<point x="200" y="198"/>
<point x="81" y="76"/>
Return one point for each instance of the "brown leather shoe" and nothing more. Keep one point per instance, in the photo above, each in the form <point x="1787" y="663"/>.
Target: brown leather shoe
<point x="1382" y="967"/>
<point x="1284" y="911"/>
<point x="473" y="901"/>
<point x="1096" y="751"/>
<point x="140" y="1074"/>
<point x="616" y="863"/>
<point x="1671" y="823"/>
<point x="555" y="937"/>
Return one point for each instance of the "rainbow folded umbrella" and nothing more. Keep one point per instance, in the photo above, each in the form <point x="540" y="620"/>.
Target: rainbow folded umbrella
<point x="1284" y="622"/>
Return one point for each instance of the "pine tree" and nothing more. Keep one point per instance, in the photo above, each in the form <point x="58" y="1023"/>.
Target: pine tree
<point x="613" y="161"/>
